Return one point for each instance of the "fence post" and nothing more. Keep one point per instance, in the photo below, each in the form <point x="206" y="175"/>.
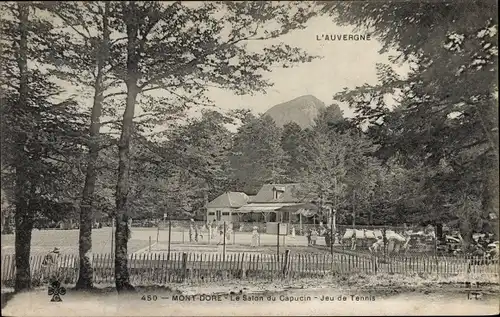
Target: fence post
<point x="278" y="240"/>
<point x="285" y="262"/>
<point x="149" y="249"/>
<point x="157" y="233"/>
<point x="209" y="227"/>
<point x="169" y="238"/>
<point x="184" y="266"/>
<point x="224" y="242"/>
<point x="112" y="236"/>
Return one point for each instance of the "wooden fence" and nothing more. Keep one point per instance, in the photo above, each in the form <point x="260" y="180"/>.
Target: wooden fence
<point x="150" y="268"/>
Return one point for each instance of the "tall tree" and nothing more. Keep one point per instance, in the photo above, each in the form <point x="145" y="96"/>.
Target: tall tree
<point x="446" y="114"/>
<point x="257" y="156"/>
<point x="40" y="134"/>
<point x="183" y="49"/>
<point x="292" y="137"/>
<point x="204" y="145"/>
<point x="324" y="175"/>
<point x="83" y="59"/>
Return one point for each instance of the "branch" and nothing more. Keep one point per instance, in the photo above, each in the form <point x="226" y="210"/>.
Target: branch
<point x="488" y="135"/>
<point x="66" y="21"/>
<point x="145" y="142"/>
<point x="136" y="117"/>
<point x="155" y="79"/>
<point x="114" y="94"/>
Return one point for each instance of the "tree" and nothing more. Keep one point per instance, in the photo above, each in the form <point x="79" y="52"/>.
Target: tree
<point x="339" y="164"/>
<point x="292" y="137"/>
<point x="323" y="177"/>
<point x="6" y="214"/>
<point x="40" y="135"/>
<point x="257" y="157"/>
<point x="204" y="145"/>
<point x="83" y="59"/>
<point x="199" y="54"/>
<point x="446" y="109"/>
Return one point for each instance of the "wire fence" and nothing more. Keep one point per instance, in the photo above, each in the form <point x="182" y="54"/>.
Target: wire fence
<point x="175" y="232"/>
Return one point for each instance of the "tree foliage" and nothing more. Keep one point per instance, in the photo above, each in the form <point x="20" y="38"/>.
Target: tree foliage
<point x="445" y="121"/>
<point x="41" y="131"/>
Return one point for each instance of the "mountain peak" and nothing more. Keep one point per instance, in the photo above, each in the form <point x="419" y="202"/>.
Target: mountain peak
<point x="301" y="110"/>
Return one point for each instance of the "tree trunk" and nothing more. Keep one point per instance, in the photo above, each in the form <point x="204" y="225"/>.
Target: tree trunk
<point x="490" y="199"/>
<point x="24" y="226"/>
<point x="23" y="217"/>
<point x="122" y="188"/>
<point x="85" y="238"/>
<point x="466" y="233"/>
<point x="122" y="231"/>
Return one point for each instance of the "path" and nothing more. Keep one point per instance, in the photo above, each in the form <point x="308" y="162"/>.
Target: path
<point x="305" y="302"/>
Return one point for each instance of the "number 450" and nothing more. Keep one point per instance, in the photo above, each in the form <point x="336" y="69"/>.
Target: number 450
<point x="149" y="297"/>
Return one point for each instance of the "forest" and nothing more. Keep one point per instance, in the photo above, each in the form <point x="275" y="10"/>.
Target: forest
<point x="95" y="99"/>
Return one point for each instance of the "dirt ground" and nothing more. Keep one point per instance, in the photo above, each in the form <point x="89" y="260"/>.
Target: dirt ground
<point x="248" y="300"/>
<point x="43" y="241"/>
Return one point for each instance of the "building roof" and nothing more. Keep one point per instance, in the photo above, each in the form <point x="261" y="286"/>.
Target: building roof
<point x="266" y="193"/>
<point x="229" y="199"/>
<point x="263" y="207"/>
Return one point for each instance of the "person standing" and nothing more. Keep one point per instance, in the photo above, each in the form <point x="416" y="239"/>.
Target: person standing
<point x="214" y="229"/>
<point x="193" y="230"/>
<point x="321" y="228"/>
<point x="221" y="234"/>
<point x="229" y="231"/>
<point x="209" y="229"/>
<point x="255" y="237"/>
<point x="49" y="265"/>
<point x="385" y="240"/>
<point x="314" y="236"/>
<point x="353" y="241"/>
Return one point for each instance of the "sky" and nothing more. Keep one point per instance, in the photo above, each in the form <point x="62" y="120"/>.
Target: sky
<point x="343" y="64"/>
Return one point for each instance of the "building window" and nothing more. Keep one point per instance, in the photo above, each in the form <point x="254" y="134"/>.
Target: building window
<point x="277" y="193"/>
<point x="211" y="213"/>
<point x="219" y="215"/>
<point x="225" y="214"/>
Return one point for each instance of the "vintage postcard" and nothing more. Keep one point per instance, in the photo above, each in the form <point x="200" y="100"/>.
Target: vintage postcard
<point x="230" y="158"/>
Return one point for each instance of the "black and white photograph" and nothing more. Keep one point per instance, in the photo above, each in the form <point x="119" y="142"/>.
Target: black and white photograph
<point x="249" y="158"/>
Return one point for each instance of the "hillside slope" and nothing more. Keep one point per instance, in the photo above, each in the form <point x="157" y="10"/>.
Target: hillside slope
<point x="302" y="110"/>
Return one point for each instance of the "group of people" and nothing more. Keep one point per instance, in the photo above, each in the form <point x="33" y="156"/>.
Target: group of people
<point x="312" y="236"/>
<point x="485" y="245"/>
<point x="213" y="229"/>
<point x="220" y="231"/>
<point x="485" y="240"/>
<point x="196" y="233"/>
